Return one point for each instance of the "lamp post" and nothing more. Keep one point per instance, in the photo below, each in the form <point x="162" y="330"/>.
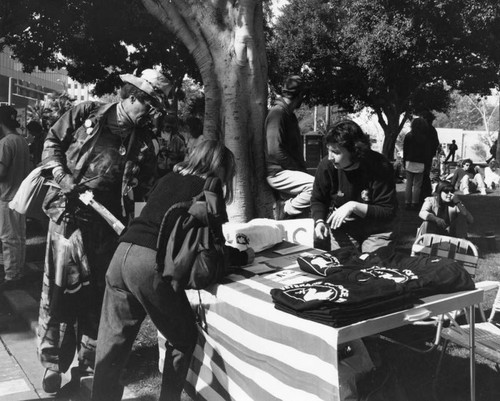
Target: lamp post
<point x="9" y="97"/>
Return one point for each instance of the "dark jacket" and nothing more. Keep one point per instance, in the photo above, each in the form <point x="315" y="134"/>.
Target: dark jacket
<point x="414" y="148"/>
<point x="84" y="146"/>
<point x="284" y="141"/>
<point x="372" y="183"/>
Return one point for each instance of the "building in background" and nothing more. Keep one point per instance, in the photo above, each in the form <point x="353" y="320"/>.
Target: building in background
<point x="21" y="89"/>
<point x="79" y="92"/>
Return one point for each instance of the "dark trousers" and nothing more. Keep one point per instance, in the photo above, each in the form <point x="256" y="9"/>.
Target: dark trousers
<point x="134" y="288"/>
<point x="457" y="228"/>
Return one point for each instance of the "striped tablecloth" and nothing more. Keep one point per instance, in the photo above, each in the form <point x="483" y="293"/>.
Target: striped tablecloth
<point x="254" y="352"/>
<point x="251" y="351"/>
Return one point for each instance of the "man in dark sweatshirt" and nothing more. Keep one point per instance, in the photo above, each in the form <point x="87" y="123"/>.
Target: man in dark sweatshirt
<point x="286" y="168"/>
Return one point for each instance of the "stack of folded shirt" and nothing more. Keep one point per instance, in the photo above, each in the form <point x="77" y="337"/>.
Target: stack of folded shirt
<point x="360" y="286"/>
<point x="344" y="297"/>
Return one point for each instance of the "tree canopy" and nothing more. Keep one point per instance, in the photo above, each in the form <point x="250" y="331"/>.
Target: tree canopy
<point x="220" y="42"/>
<point x="398" y="57"/>
<point x="94" y="40"/>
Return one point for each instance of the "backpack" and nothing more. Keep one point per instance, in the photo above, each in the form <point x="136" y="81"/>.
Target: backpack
<point x="190" y="247"/>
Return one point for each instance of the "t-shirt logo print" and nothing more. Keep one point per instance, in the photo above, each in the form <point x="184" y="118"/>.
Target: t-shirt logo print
<point x="398" y="276"/>
<point x="365" y="195"/>
<point x="242" y="239"/>
<point x="318" y="292"/>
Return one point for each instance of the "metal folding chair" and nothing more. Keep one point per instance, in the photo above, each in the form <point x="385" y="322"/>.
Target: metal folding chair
<point x="486" y="332"/>
<point x="458" y="249"/>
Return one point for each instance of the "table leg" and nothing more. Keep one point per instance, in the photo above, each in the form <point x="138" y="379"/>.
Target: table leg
<point x="472" y="352"/>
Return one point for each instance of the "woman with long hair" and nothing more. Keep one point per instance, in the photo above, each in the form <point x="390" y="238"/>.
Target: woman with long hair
<point x="354" y="196"/>
<point x="444" y="213"/>
<point x="134" y="288"/>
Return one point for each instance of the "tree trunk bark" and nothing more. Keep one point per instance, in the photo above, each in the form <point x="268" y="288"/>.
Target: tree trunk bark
<point x="391" y="129"/>
<point x="226" y="39"/>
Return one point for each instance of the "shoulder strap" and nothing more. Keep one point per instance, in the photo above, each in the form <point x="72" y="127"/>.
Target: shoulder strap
<point x="166" y="227"/>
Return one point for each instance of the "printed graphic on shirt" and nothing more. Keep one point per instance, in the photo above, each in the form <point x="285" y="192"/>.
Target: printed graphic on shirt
<point x="317" y="292"/>
<point x="242" y="239"/>
<point x="398" y="276"/>
<point x="365" y="195"/>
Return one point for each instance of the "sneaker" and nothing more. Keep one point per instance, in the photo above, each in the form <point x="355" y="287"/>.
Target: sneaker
<point x="51" y="382"/>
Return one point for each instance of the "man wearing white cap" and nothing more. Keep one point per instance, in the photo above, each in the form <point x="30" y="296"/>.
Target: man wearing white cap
<point x="108" y="149"/>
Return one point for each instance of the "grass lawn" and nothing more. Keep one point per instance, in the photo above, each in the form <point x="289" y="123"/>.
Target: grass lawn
<point x="414" y="372"/>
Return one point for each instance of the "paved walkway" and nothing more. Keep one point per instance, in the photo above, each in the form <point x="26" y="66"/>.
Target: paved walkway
<point x="14" y="384"/>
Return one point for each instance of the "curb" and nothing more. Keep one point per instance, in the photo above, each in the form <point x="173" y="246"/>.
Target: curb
<point x="23" y="305"/>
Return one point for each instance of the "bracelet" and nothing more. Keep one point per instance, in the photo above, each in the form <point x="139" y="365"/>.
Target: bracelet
<point x="58" y="178"/>
<point x="318" y="221"/>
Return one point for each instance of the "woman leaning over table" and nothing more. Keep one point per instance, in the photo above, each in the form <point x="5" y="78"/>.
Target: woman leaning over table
<point x="354" y="196"/>
<point x="444" y="213"/>
<point x="134" y="288"/>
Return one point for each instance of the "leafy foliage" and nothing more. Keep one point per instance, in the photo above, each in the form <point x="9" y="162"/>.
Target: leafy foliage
<point x="95" y="40"/>
<point x="48" y="111"/>
<point x="471" y="112"/>
<point x="398" y="57"/>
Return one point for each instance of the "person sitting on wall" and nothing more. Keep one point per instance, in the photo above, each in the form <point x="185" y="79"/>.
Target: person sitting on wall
<point x="469" y="178"/>
<point x="492" y="175"/>
<point x="444" y="213"/>
<point x="285" y="164"/>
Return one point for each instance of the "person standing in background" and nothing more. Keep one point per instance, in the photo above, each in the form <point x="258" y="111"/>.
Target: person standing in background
<point x="414" y="157"/>
<point x="194" y="135"/>
<point x="452" y="148"/>
<point x="35" y="129"/>
<point x="432" y="147"/>
<point x="172" y="146"/>
<point x="14" y="167"/>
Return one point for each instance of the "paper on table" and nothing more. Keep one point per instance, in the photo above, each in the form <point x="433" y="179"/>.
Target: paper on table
<point x="292" y="249"/>
<point x="259" y="268"/>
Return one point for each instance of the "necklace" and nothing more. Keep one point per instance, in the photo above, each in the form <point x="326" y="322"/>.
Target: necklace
<point x="122" y="150"/>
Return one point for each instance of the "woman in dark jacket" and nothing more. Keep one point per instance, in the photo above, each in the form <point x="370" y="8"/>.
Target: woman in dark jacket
<point x="134" y="288"/>
<point x="414" y="157"/>
<point x="354" y="195"/>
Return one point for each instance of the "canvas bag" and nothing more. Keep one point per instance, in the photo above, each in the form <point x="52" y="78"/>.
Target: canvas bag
<point x="191" y="243"/>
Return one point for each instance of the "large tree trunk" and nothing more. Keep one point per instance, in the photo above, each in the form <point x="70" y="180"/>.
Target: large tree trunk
<point x="226" y="39"/>
<point x="390" y="122"/>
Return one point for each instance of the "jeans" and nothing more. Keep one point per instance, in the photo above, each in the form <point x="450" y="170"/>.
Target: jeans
<point x="296" y="184"/>
<point x="134" y="288"/>
<point x="13" y="238"/>
<point x="413" y="187"/>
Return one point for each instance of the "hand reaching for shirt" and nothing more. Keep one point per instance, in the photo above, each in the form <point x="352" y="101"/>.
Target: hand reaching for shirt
<point x="341" y="215"/>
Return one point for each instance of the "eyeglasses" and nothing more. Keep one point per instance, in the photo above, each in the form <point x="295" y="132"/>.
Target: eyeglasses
<point x="151" y="110"/>
<point x="449" y="191"/>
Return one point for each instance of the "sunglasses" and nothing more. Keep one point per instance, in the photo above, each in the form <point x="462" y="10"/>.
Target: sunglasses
<point x="152" y="110"/>
<point x="449" y="191"/>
